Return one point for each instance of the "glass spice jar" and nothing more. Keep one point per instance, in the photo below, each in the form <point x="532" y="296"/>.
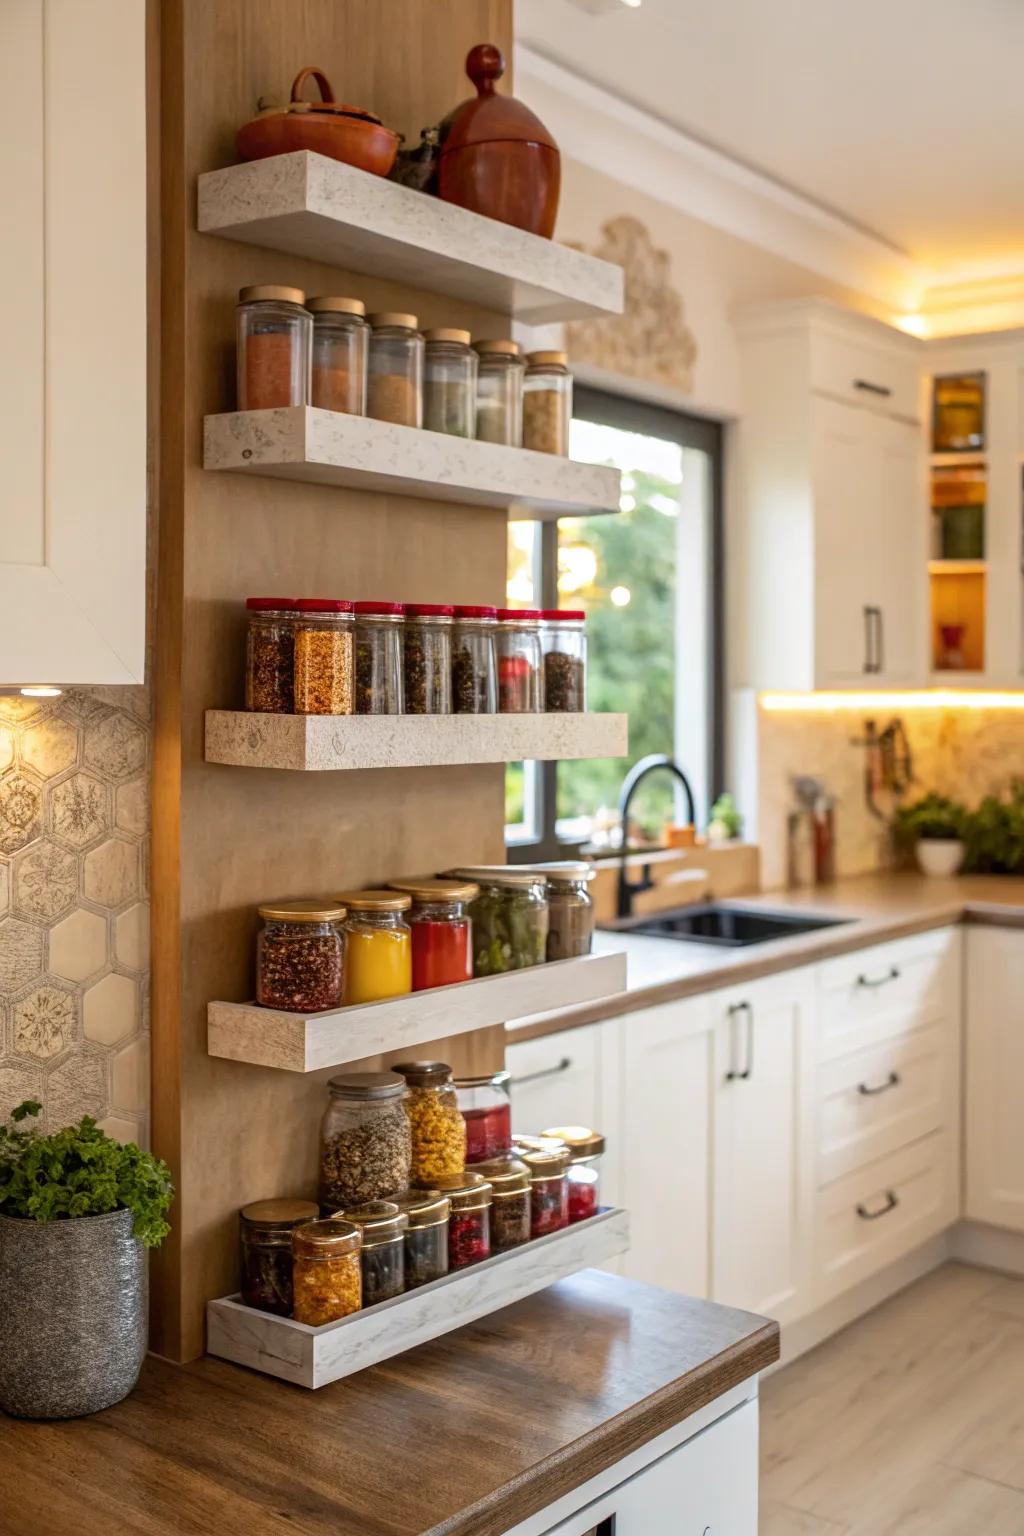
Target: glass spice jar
<point x="395" y="380"/>
<point x="324" y="657"/>
<point x="299" y="956"/>
<point x="428" y="658"/>
<point x="426" y="1236"/>
<point x="382" y="1229"/>
<point x="499" y="392"/>
<point x="378" y="946"/>
<point x="265" y="1242"/>
<point x="486" y="1107"/>
<point x="442" y="933"/>
<point x="274" y="332"/>
<point x="547" y="402"/>
<point x="365" y="1152"/>
<point x="326" y="1278"/>
<point x="449" y="383"/>
<point x="517" y="643"/>
<point x="340" y="347"/>
<point x="570" y="907"/>
<point x="437" y="1131"/>
<point x="564" y="643"/>
<point x="586" y="1148"/>
<point x="270" y="655"/>
<point x="474" y="665"/>
<point x="469" y="1224"/>
<point x="510" y="918"/>
<point x="379" y="667"/>
<point x="549" y="1189"/>
<point x="510" y="1201"/>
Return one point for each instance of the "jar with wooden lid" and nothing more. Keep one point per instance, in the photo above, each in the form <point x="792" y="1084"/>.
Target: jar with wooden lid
<point x="365" y="1152"/>
<point x="499" y="392"/>
<point x="449" y="383"/>
<point x="274" y="332"/>
<point x="510" y="917"/>
<point x="549" y="1189"/>
<point x="395" y="382"/>
<point x="486" y="1106"/>
<point x="442" y="944"/>
<point x="517" y="642"/>
<point x="586" y="1148"/>
<point x="265" y="1246"/>
<point x="563" y="639"/>
<point x="270" y="655"/>
<point x="326" y="1276"/>
<point x="570" y="906"/>
<point x="324" y="657"/>
<point x="382" y="1227"/>
<point x="427" y="658"/>
<point x="380" y="681"/>
<point x="436" y="1128"/>
<point x="426" y="1236"/>
<point x="469" y="1220"/>
<point x="474" y="661"/>
<point x="299" y="956"/>
<point x="510" y="1201"/>
<point x="341" y="343"/>
<point x="547" y="402"/>
<point x="378" y="946"/>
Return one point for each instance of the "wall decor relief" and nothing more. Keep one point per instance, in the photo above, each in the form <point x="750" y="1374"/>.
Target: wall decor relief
<point x="650" y="340"/>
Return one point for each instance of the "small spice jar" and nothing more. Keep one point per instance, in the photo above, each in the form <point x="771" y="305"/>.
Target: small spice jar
<point x="428" y="658"/>
<point x="563" y="640"/>
<point x="395" y="383"/>
<point x="265" y="1241"/>
<point x="469" y="1224"/>
<point x="510" y="1201"/>
<point x="547" y="402"/>
<point x="486" y="1106"/>
<point x="436" y="1129"/>
<point x="549" y="1189"/>
<point x="365" y="1152"/>
<point x="517" y="643"/>
<point x="325" y="1271"/>
<point x="570" y="907"/>
<point x="510" y="917"/>
<point x="324" y="657"/>
<point x="382" y="1253"/>
<point x="380" y="686"/>
<point x="378" y="946"/>
<point x="426" y="1236"/>
<point x="299" y="956"/>
<point x="274" y="333"/>
<point x="340" y="346"/>
<point x="449" y="383"/>
<point x="474" y="663"/>
<point x="442" y="933"/>
<point x="270" y="655"/>
<point x="499" y="392"/>
<point x="584" y="1176"/>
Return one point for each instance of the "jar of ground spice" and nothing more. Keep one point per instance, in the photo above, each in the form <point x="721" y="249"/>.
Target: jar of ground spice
<point x="517" y="643"/>
<point x="474" y="663"/>
<point x="426" y="1236"/>
<point x="324" y="657"/>
<point x="469" y="1223"/>
<point x="299" y="964"/>
<point x="549" y="1189"/>
<point x="510" y="1201"/>
<point x="380" y="682"/>
<point x="436" y="1126"/>
<point x="547" y="402"/>
<point x="499" y="392"/>
<point x="382" y="1228"/>
<point x="449" y="383"/>
<point x="378" y="946"/>
<point x="270" y="655"/>
<point x="325" y="1271"/>
<point x="570" y="907"/>
<point x="274" y="347"/>
<point x="365" y="1151"/>
<point x="265" y="1244"/>
<point x="586" y="1148"/>
<point x="395" y="383"/>
<point x="442" y="933"/>
<point x="563" y="640"/>
<point x="341" y="339"/>
<point x="428" y="658"/>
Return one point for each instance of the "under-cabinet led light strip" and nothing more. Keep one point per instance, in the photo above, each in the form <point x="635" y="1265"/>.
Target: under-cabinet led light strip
<point x="928" y="698"/>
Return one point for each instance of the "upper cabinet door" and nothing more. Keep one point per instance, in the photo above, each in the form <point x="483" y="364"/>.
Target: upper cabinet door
<point x="73" y="312"/>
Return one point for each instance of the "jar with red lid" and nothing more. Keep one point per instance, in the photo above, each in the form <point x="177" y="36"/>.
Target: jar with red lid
<point x="586" y="1148"/>
<point x="428" y="658"/>
<point x="486" y="1107"/>
<point x="442" y="933"/>
<point x="474" y="664"/>
<point x="517" y="643"/>
<point x="549" y="1189"/>
<point x="270" y="655"/>
<point x="469" y="1220"/>
<point x="324" y="662"/>
<point x="380" y="684"/>
<point x="563" y="641"/>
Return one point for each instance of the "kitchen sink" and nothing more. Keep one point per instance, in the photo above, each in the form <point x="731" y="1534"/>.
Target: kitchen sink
<point x="731" y="926"/>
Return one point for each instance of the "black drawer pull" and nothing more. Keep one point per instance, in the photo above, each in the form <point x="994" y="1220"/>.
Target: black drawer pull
<point x="531" y="1077"/>
<point x="892" y="1081"/>
<point x="872" y="389"/>
<point x="891" y="1202"/>
<point x="893" y="974"/>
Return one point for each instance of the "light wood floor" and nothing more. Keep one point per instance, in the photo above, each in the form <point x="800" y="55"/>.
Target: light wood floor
<point x="908" y="1423"/>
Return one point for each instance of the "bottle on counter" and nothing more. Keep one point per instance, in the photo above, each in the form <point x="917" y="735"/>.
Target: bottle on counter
<point x="378" y="946"/>
<point x="426" y="1236"/>
<point x="395" y="381"/>
<point x="365" y="1149"/>
<point x="474" y="661"/>
<point x="324" y="657"/>
<point x="586" y="1148"/>
<point x="340" y="349"/>
<point x="442" y="932"/>
<point x="428" y="658"/>
<point x="486" y="1106"/>
<point x="265" y="1244"/>
<point x="499" y="392"/>
<point x="449" y="383"/>
<point x="547" y="402"/>
<point x="300" y="956"/>
<point x="274" y="334"/>
<point x="517" y="643"/>
<point x="382" y="1228"/>
<point x="469" y="1224"/>
<point x="326" y="1278"/>
<point x="270" y="655"/>
<point x="437" y="1130"/>
<point x="563" y="640"/>
<point x="380" y="683"/>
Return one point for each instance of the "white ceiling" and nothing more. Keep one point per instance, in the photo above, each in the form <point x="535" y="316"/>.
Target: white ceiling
<point x="906" y="117"/>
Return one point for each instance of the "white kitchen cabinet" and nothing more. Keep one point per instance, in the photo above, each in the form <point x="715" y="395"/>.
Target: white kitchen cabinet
<point x="995" y="1077"/>
<point x="571" y="1078"/>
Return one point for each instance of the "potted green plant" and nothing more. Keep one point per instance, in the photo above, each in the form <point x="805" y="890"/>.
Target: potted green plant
<point x="995" y="834"/>
<point x="934" y="826"/>
<point x="77" y="1213"/>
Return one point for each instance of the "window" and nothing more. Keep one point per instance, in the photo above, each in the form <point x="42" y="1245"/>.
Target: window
<point x="649" y="581"/>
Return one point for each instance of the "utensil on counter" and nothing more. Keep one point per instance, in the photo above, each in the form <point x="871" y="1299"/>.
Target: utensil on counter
<point x="329" y="127"/>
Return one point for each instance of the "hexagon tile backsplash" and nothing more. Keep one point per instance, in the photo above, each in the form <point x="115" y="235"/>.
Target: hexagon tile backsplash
<point x="74" y="918"/>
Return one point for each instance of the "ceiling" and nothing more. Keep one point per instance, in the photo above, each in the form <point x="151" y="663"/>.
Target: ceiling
<point x="906" y="117"/>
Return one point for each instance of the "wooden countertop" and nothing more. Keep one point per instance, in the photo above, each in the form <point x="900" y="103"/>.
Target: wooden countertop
<point x="462" y="1437"/>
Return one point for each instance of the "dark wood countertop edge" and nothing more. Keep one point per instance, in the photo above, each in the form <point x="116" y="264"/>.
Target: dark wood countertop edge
<point x="599" y="1449"/>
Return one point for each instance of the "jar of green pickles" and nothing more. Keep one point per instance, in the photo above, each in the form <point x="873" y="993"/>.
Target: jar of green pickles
<point x="510" y="918"/>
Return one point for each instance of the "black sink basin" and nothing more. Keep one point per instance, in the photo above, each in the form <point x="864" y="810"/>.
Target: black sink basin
<point x="731" y="926"/>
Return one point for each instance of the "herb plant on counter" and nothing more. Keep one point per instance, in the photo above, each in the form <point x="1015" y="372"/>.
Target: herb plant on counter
<point x="933" y="818"/>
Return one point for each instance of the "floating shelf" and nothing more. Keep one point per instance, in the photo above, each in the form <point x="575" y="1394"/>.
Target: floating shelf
<point x="319" y="209"/>
<point x="957" y="567"/>
<point x="325" y="743"/>
<point x="330" y="448"/>
<point x="312" y="1357"/>
<point x="962" y="458"/>
<point x="298" y="1042"/>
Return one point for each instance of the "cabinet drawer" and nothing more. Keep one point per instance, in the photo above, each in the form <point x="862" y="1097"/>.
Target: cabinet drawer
<point x="855" y="371"/>
<point x="556" y="1080"/>
<point x="880" y="993"/>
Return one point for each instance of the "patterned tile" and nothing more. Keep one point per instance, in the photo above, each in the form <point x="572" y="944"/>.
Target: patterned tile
<point x="45" y="881"/>
<point x="117" y="747"/>
<point x="19" y="1080"/>
<point x="6" y="748"/>
<point x="51" y="747"/>
<point x="21" y="809"/>
<point x="44" y="1022"/>
<point x="77" y="1086"/>
<point x="132" y="807"/>
<point x="112" y="874"/>
<point x="21" y="956"/>
<point x="79" y="810"/>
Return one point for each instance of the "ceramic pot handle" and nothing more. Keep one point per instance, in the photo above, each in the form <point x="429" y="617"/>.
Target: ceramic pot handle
<point x="299" y="84"/>
<point x="484" y="65"/>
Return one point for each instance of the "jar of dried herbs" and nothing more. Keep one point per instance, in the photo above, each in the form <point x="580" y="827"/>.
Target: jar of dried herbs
<point x="340" y="347"/>
<point x="510" y="1201"/>
<point x="499" y="392"/>
<point x="326" y="1278"/>
<point x="265" y="1244"/>
<point x="270" y="655"/>
<point x="382" y="1228"/>
<point x="395" y="382"/>
<point x="474" y="662"/>
<point x="517" y="642"/>
<point x="570" y="907"/>
<point x="380" y="683"/>
<point x="547" y="402"/>
<point x="586" y="1148"/>
<point x="436" y="1127"/>
<point x="469" y="1221"/>
<point x="274" y="332"/>
<point x="449" y="383"/>
<point x="324" y="657"/>
<point x="563" y="640"/>
<point x="428" y="658"/>
<point x="426" y="1236"/>
<point x="299" y="956"/>
<point x="365" y="1149"/>
<point x="549" y="1189"/>
<point x="510" y="918"/>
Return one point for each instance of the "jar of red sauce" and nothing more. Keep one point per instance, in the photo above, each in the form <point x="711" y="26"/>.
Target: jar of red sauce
<point x="442" y="933"/>
<point x="486" y="1107"/>
<point x="585" y="1150"/>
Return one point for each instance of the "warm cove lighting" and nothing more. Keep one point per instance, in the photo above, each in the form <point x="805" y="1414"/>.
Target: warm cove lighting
<point x="40" y="691"/>
<point x="930" y="698"/>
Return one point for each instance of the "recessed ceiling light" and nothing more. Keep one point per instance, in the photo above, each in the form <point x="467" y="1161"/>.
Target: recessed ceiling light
<point x="606" y="7"/>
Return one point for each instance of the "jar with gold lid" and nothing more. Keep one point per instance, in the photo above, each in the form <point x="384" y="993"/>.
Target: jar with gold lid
<point x="265" y="1241"/>
<point x="510" y="1201"/>
<point x="499" y="392"/>
<point x="299" y="956"/>
<point x="437" y="1130"/>
<point x="378" y="946"/>
<point x="340" y="348"/>
<point x="549" y="1189"/>
<point x="325" y="1271"/>
<point x="449" y="383"/>
<point x="469" y="1224"/>
<point x="426" y="1236"/>
<point x="382" y="1228"/>
<point x="586" y="1148"/>
<point x="442" y="943"/>
<point x="274" y="331"/>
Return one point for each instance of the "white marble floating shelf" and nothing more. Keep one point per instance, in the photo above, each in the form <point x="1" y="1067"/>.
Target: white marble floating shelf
<point x="312" y="1357"/>
<point x="324" y="743"/>
<point x="314" y="207"/>
<point x="299" y="1042"/>
<point x="303" y="443"/>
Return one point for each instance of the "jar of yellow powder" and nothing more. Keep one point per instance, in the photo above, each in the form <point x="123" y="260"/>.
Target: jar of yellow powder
<point x="378" y="946"/>
<point x="436" y="1127"/>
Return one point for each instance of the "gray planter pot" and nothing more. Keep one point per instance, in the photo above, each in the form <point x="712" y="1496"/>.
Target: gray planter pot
<point x="72" y="1314"/>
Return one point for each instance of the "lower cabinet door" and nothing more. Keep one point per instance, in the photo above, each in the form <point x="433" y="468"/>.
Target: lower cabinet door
<point x="995" y="1077"/>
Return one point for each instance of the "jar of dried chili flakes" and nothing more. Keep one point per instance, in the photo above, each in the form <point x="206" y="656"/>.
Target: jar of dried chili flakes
<point x="299" y="957"/>
<point x="469" y="1221"/>
<point x="549" y="1189"/>
<point x="270" y="655"/>
<point x="585" y="1151"/>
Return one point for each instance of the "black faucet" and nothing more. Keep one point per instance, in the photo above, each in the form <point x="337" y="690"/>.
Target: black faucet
<point x="630" y="785"/>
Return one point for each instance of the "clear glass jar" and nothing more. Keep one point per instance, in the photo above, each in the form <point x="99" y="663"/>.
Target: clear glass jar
<point x="378" y="946"/>
<point x="510" y="1201"/>
<point x="486" y="1107"/>
<point x="270" y="655"/>
<point x="499" y="392"/>
<point x="380" y="686"/>
<point x="341" y="340"/>
<point x="395" y="382"/>
<point x="325" y="1272"/>
<point x="436" y="1128"/>
<point x="426" y="1236"/>
<point x="474" y="663"/>
<point x="586" y="1148"/>
<point x="510" y="918"/>
<point x="563" y="639"/>
<point x="469" y="1224"/>
<point x="449" y="388"/>
<point x="299" y="956"/>
<point x="549" y="1189"/>
<point x="382" y="1226"/>
<point x="265" y="1246"/>
<point x="442" y="942"/>
<point x="428" y="658"/>
<point x="274" y="332"/>
<point x="365" y="1152"/>
<point x="547" y="402"/>
<point x="517" y="642"/>
<point x="324" y="657"/>
<point x="570" y="907"/>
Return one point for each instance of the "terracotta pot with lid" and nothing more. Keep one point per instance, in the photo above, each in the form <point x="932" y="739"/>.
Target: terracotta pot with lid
<point x="328" y="127"/>
<point x="497" y="158"/>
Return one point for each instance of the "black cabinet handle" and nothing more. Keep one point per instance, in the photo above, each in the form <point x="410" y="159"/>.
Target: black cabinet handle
<point x="893" y="974"/>
<point x="532" y="1077"/>
<point x="866" y="386"/>
<point x="880" y="634"/>
<point x="892" y="1081"/>
<point x="734" y="1074"/>
<point x="891" y="1202"/>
